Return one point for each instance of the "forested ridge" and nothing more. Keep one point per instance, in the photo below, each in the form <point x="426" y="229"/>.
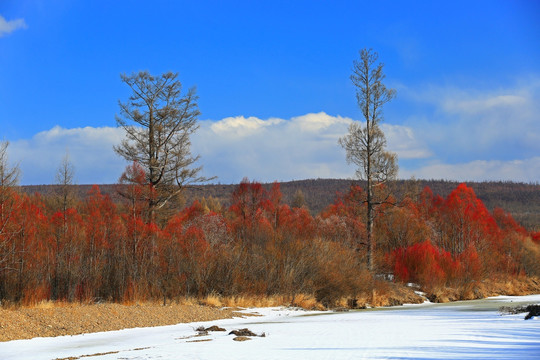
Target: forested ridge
<point x="255" y="244"/>
<point x="521" y="200"/>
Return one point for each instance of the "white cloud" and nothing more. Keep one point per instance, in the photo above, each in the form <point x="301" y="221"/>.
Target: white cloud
<point x="480" y="105"/>
<point x="81" y="136"/>
<point x="318" y="122"/>
<point x="284" y="149"/>
<point x="7" y="27"/>
<point x="264" y="150"/>
<point x="460" y="125"/>
<point x="478" y="134"/>
<point x="272" y="149"/>
<point x="527" y="170"/>
<point x="404" y="141"/>
<point x="90" y="151"/>
<point x="240" y="126"/>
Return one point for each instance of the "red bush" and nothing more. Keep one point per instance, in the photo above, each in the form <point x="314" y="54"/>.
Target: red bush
<point x="425" y="264"/>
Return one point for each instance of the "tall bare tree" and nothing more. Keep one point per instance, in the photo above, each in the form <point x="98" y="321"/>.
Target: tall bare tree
<point x="365" y="143"/>
<point x="158" y="120"/>
<point x="65" y="175"/>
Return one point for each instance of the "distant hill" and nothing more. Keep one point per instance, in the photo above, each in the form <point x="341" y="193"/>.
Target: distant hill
<point x="519" y="199"/>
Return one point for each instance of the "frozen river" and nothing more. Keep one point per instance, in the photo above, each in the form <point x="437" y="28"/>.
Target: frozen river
<point x="462" y="330"/>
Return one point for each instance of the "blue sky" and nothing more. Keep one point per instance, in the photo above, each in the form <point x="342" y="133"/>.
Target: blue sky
<point x="273" y="81"/>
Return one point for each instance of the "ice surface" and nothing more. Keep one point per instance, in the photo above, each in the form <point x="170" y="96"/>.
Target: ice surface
<point x="463" y="330"/>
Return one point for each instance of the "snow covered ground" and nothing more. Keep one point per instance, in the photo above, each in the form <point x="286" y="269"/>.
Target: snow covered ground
<point x="463" y="330"/>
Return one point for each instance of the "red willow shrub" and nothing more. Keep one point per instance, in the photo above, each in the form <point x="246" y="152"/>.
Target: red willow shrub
<point x="425" y="264"/>
<point x="97" y="249"/>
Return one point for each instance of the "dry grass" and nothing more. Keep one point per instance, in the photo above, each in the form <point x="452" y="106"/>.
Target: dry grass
<point x="304" y="301"/>
<point x="516" y="286"/>
<point x="49" y="304"/>
<point x="189" y="301"/>
<point x="307" y="302"/>
<point x="212" y="300"/>
<point x="384" y="294"/>
<point x="250" y="301"/>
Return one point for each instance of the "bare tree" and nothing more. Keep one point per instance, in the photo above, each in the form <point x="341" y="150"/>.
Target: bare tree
<point x="64" y="178"/>
<point x="65" y="175"/>
<point x="158" y="121"/>
<point x="299" y="199"/>
<point x="9" y="176"/>
<point x="365" y="143"/>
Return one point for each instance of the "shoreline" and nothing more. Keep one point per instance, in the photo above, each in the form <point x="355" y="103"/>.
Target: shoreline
<point x="51" y="319"/>
<point x="437" y="329"/>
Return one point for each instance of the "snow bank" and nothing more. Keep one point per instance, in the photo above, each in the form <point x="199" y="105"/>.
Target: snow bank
<point x="433" y="331"/>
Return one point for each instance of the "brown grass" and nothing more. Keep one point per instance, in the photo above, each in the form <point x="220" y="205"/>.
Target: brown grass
<point x="304" y="301"/>
<point x="307" y="302"/>
<point x="384" y="294"/>
<point x="516" y="286"/>
<point x="48" y="318"/>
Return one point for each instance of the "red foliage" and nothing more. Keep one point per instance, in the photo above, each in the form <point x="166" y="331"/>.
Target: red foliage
<point x="136" y="189"/>
<point x="251" y="208"/>
<point x="425" y="264"/>
<point x="102" y="223"/>
<point x="344" y="221"/>
<point x="535" y="236"/>
<point x="506" y="222"/>
<point x="471" y="263"/>
<point x="96" y="250"/>
<point x="466" y="221"/>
